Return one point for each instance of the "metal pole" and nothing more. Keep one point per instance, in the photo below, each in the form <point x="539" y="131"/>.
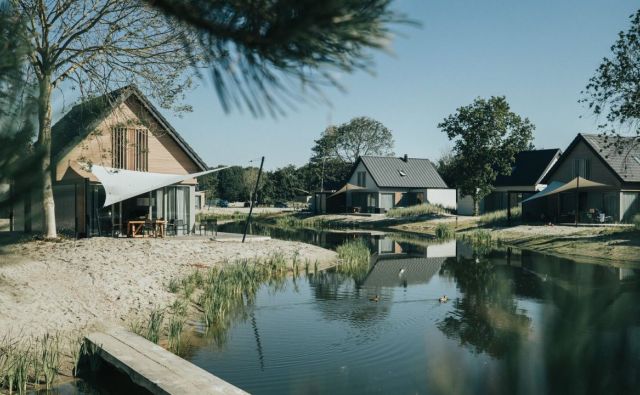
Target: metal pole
<point x="577" y="198"/>
<point x="255" y="193"/>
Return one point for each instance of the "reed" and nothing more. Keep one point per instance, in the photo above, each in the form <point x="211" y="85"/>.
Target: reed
<point x="444" y="231"/>
<point x="353" y="259"/>
<point x="176" y="325"/>
<point x="154" y="325"/>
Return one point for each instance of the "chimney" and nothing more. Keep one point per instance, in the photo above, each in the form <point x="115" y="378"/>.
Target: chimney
<point x="405" y="158"/>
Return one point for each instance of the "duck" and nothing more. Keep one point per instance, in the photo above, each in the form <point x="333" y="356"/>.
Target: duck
<point x="443" y="299"/>
<point x="374" y="298"/>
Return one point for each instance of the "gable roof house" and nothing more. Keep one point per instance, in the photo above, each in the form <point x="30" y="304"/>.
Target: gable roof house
<point x="526" y="178"/>
<point x="120" y="130"/>
<point x="594" y="178"/>
<point x="379" y="183"/>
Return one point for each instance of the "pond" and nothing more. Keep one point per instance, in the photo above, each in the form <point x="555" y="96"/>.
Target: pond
<point x="514" y="322"/>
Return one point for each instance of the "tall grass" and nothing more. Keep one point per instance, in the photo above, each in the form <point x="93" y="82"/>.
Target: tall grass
<point x="499" y="218"/>
<point x="30" y="363"/>
<point x="417" y="210"/>
<point x="353" y="259"/>
<point x="444" y="231"/>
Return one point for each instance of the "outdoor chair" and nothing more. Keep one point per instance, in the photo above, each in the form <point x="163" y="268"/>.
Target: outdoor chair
<point x="209" y="225"/>
<point x="148" y="227"/>
<point x="174" y="225"/>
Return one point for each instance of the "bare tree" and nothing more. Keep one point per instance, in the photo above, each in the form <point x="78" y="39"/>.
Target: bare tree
<point x="96" y="46"/>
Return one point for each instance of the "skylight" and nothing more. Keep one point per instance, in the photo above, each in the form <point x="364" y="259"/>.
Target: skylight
<point x="402" y="173"/>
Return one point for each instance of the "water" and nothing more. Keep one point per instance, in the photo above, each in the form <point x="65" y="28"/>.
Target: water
<point x="515" y="322"/>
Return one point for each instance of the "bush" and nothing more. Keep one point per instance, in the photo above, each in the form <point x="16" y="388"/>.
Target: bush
<point x="444" y="231"/>
<point x="636" y="221"/>
<point x="417" y="210"/>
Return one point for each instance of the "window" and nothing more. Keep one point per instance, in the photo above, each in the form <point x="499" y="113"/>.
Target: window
<point x="119" y="148"/>
<point x="582" y="168"/>
<point x="141" y="157"/>
<point x="130" y="149"/>
<point x="362" y="178"/>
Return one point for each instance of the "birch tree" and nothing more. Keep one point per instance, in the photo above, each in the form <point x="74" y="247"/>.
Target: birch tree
<point x="262" y="55"/>
<point x="96" y="46"/>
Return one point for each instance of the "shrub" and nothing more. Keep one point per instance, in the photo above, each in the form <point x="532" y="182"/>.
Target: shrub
<point x="636" y="221"/>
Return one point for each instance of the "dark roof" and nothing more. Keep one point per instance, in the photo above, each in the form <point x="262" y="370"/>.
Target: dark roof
<point x="417" y="270"/>
<point x="394" y="172"/>
<point x="529" y="168"/>
<point x="84" y="118"/>
<point x="623" y="163"/>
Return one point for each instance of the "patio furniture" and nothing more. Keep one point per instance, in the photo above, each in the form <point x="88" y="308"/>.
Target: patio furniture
<point x="159" y="227"/>
<point x="135" y="228"/>
<point x="149" y="228"/>
<point x="176" y="224"/>
<point x="209" y="225"/>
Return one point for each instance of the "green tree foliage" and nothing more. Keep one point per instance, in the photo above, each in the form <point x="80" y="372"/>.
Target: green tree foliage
<point x="446" y="166"/>
<point x="613" y="92"/>
<point x="231" y="184"/>
<point x="340" y="146"/>
<point x="486" y="136"/>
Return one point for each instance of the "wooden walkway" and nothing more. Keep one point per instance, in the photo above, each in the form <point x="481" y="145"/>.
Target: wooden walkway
<point x="154" y="368"/>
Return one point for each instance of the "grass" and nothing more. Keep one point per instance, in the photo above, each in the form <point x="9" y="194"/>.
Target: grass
<point x="235" y="216"/>
<point x="417" y="210"/>
<point x="499" y="218"/>
<point x="353" y="259"/>
<point x="444" y="231"/>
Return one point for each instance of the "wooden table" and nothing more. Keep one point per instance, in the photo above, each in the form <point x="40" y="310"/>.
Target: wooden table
<point x="159" y="227"/>
<point x="136" y="228"/>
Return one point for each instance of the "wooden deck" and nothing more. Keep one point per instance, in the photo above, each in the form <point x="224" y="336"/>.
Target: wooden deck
<point x="154" y="368"/>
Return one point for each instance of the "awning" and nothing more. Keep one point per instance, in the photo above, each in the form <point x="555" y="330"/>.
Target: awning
<point x="557" y="187"/>
<point x="122" y="184"/>
<point x="345" y="188"/>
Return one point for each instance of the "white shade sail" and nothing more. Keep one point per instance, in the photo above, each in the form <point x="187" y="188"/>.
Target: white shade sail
<point x="576" y="183"/>
<point x="120" y="184"/>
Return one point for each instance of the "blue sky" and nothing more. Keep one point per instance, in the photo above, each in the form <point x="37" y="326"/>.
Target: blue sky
<point x="539" y="54"/>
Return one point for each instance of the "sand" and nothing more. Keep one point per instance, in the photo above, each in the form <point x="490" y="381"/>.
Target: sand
<point x="76" y="286"/>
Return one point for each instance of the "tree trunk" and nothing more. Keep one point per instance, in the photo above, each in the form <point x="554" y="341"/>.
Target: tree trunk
<point x="44" y="143"/>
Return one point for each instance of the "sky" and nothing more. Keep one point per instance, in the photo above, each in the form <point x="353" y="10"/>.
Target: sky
<point x="539" y="54"/>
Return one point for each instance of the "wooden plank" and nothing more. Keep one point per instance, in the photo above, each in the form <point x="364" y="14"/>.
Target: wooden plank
<point x="154" y="368"/>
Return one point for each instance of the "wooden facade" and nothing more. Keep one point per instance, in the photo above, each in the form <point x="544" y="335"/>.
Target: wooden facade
<point x="127" y="133"/>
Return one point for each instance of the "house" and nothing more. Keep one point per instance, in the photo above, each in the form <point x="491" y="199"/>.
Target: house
<point x="379" y="183"/>
<point x="526" y="178"/>
<point x="121" y="130"/>
<point x="608" y="183"/>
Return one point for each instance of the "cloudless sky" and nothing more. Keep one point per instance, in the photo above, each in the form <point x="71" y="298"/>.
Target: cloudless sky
<point x="539" y="54"/>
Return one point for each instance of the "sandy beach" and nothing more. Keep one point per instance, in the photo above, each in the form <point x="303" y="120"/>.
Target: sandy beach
<point x="81" y="285"/>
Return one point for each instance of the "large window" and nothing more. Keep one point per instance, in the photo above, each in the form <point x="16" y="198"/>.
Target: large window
<point x="582" y="168"/>
<point x="362" y="179"/>
<point x="130" y="148"/>
<point x="119" y="148"/>
<point x="141" y="157"/>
